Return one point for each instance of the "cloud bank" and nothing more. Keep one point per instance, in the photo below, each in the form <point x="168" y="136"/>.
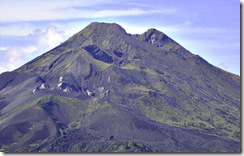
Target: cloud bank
<point x="39" y="41"/>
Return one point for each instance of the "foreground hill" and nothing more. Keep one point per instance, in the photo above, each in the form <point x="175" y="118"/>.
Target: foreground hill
<point x="104" y="90"/>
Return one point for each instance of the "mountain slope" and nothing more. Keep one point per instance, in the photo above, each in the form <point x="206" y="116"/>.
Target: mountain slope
<point x="104" y="90"/>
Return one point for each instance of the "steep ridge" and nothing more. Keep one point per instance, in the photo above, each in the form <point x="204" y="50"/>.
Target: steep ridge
<point x="104" y="90"/>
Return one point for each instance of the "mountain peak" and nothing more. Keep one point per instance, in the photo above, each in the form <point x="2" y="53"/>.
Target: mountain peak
<point x="114" y="26"/>
<point x="153" y="30"/>
<point x="104" y="90"/>
<point x="164" y="42"/>
<point x="104" y="27"/>
<point x="154" y="36"/>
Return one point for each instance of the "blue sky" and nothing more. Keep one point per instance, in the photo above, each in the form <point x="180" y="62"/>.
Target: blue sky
<point x="209" y="28"/>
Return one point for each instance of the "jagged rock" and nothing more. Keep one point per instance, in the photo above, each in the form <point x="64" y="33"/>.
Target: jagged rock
<point x="90" y="93"/>
<point x="65" y="87"/>
<point x="43" y="86"/>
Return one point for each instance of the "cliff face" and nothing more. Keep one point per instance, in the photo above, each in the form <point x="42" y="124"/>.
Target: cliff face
<point x="104" y="90"/>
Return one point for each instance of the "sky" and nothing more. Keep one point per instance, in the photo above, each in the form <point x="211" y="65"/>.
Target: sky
<point x="209" y="28"/>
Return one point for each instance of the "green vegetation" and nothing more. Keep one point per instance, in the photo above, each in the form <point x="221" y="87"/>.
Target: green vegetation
<point x="150" y="72"/>
<point x="107" y="107"/>
<point x="130" y="67"/>
<point x="136" y="88"/>
<point x="204" y="120"/>
<point x="101" y="65"/>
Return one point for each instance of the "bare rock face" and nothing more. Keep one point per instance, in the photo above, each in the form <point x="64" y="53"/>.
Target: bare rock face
<point x="104" y="90"/>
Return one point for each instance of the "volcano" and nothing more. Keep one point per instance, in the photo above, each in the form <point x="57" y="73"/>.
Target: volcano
<point x="105" y="90"/>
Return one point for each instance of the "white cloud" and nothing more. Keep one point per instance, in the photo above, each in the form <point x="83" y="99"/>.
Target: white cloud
<point x="72" y="14"/>
<point x="49" y="38"/>
<point x="125" y="12"/>
<point x="15" y="57"/>
<point x="18" y="54"/>
<point x="25" y="10"/>
<point x="20" y="29"/>
<point x="43" y="40"/>
<point x="3" y="48"/>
